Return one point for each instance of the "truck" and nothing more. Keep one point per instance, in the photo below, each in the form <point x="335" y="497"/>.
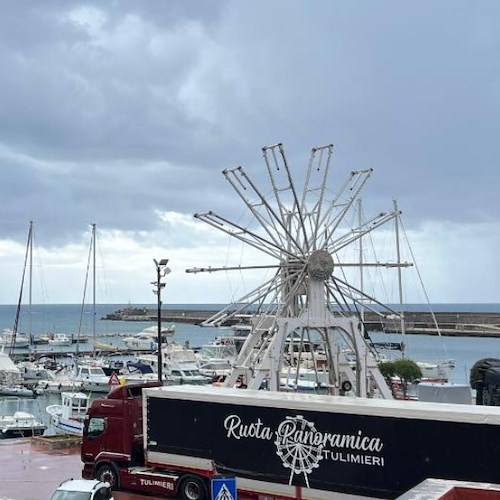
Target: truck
<point x="174" y="440"/>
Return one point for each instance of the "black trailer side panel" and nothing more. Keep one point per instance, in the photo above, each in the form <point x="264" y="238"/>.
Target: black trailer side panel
<point x="358" y="454"/>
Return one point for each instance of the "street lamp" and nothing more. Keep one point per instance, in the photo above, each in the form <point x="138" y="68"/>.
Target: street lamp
<point x="161" y="271"/>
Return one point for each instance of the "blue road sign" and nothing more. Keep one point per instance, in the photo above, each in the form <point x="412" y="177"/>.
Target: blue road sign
<point x="224" y="488"/>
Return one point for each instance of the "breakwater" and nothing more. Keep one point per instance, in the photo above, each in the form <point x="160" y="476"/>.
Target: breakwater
<point x="458" y="324"/>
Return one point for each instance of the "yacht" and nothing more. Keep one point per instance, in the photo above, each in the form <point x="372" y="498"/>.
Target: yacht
<point x="179" y="365"/>
<point x="147" y="340"/>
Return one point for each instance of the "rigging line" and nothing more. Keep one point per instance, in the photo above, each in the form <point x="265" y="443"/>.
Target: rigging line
<point x="377" y="270"/>
<point x="83" y="300"/>
<point x="360" y="231"/>
<point x="356" y="186"/>
<point x="434" y="319"/>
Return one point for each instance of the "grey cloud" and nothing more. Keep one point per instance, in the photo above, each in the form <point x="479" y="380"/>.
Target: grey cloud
<point x="142" y="112"/>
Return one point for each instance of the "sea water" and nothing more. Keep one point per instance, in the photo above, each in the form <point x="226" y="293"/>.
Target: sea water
<point x="69" y="318"/>
<point x="73" y="318"/>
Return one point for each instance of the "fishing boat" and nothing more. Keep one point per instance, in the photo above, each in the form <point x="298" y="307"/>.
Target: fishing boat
<point x="68" y="417"/>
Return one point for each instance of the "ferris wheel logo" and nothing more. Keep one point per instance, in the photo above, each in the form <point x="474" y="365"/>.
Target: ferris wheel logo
<point x="296" y="453"/>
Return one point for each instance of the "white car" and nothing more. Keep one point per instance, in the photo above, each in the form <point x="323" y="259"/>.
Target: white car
<point x="82" y="489"/>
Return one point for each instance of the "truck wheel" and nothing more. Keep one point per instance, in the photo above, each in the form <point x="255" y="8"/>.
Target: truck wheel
<point x="192" y="488"/>
<point x="108" y="473"/>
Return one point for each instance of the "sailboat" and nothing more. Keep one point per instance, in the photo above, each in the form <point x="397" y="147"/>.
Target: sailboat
<point x="11" y="380"/>
<point x="89" y="372"/>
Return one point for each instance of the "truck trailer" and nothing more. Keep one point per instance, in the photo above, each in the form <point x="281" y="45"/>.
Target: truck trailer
<point x="174" y="440"/>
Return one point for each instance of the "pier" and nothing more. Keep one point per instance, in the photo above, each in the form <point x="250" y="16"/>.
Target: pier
<point x="456" y="324"/>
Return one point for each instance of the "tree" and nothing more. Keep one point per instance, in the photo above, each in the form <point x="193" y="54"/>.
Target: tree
<point x="407" y="370"/>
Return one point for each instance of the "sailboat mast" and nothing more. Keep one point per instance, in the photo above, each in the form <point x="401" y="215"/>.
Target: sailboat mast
<point x="93" y="288"/>
<point x="30" y="247"/>
<point x="400" y="280"/>
<point x="361" y="274"/>
<point x="19" y="302"/>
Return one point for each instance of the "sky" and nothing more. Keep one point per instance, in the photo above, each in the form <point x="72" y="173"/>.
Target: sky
<point x="125" y="113"/>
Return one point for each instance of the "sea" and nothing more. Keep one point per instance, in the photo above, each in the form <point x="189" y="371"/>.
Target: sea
<point x="75" y="319"/>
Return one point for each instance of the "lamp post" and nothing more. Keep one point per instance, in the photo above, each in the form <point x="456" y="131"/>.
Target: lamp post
<point x="161" y="271"/>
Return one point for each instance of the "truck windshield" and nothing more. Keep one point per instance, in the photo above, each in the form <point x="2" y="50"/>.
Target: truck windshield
<point x="95" y="426"/>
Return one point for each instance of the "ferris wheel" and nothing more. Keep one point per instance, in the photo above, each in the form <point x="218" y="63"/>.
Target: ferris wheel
<point x="308" y="300"/>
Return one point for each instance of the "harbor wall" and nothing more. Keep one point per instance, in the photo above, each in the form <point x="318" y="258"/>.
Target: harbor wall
<point x="464" y="324"/>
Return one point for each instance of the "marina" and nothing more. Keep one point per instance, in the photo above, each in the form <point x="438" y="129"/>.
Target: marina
<point x="305" y="330"/>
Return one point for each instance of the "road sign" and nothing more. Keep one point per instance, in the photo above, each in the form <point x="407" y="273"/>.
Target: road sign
<point x="224" y="488"/>
<point x="114" y="380"/>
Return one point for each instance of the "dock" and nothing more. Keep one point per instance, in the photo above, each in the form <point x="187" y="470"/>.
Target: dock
<point x="455" y="324"/>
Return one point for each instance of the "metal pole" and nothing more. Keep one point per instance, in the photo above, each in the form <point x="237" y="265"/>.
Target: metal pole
<point x="158" y="293"/>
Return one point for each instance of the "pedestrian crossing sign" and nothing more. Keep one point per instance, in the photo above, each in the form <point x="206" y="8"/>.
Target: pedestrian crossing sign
<point x="224" y="488"/>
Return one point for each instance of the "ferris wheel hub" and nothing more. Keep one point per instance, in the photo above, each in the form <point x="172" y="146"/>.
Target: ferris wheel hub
<point x="320" y="265"/>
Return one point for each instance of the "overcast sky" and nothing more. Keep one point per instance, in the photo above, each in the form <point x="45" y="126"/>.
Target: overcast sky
<point x="124" y="114"/>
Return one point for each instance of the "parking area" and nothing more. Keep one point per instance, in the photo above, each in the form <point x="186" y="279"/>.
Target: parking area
<point x="28" y="472"/>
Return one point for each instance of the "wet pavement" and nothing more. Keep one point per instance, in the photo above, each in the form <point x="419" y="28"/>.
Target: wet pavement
<point x="28" y="472"/>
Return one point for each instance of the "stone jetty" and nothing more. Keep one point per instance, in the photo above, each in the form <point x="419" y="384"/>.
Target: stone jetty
<point x="460" y="324"/>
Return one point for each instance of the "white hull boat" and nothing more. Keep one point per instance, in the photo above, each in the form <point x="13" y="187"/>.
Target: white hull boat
<point x="60" y="339"/>
<point x="68" y="417"/>
<point x="147" y="340"/>
<point x="20" y="424"/>
<point x="437" y="370"/>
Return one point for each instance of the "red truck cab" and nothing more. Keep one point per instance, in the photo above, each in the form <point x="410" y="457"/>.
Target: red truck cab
<point x="113" y="449"/>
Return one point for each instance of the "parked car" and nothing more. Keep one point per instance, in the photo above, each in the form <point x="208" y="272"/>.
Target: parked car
<point x="82" y="489"/>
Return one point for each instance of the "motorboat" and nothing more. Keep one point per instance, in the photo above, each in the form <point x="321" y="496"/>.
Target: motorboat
<point x="179" y="365"/>
<point x="141" y="342"/>
<point x="17" y="340"/>
<point x="216" y="358"/>
<point x="437" y="370"/>
<point x="137" y="372"/>
<point x="93" y="378"/>
<point x="20" y="424"/>
<point x="147" y="339"/>
<point x="68" y="417"/>
<point x="59" y="339"/>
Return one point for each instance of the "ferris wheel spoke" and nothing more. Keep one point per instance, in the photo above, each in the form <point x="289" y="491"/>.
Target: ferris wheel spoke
<point x="270" y="221"/>
<point x="242" y="234"/>
<point x="244" y="303"/>
<point x="315" y="186"/>
<point x="361" y="298"/>
<point x="287" y="186"/>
